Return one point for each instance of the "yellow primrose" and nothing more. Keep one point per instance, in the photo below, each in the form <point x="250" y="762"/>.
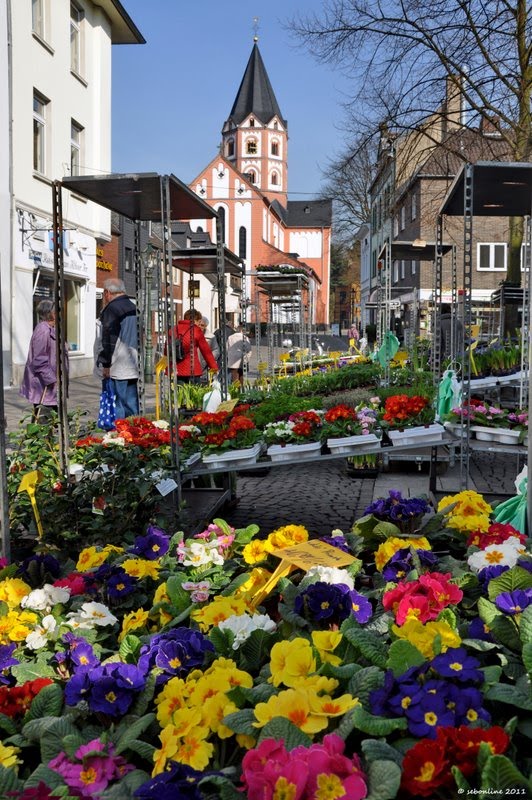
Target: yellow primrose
<point x="255" y="551"/>
<point x="195" y="750"/>
<point x="468" y="523"/>
<point x="325" y="642"/>
<point x="16" y="625"/>
<point x="171" y="699"/>
<point x="328" y="787"/>
<point x="291" y="661"/>
<point x="294" y="705"/>
<point x="467" y="504"/>
<point x="12" y="590"/>
<point x="332" y="707"/>
<point x="9" y="756"/>
<point x="219" y="609"/>
<point x="161" y="596"/>
<point x="91" y="557"/>
<point x="245" y="741"/>
<point x="318" y="684"/>
<point x="183" y="720"/>
<point x="213" y="712"/>
<point x="286" y="536"/>
<point x="390" y="547"/>
<point x="141" y="568"/>
<point x="169" y="743"/>
<point x="257" y="579"/>
<point x="133" y="621"/>
<point x="111" y="548"/>
<point x="422" y="636"/>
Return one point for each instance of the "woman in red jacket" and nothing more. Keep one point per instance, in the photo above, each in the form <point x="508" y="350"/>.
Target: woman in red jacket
<point x="189" y="368"/>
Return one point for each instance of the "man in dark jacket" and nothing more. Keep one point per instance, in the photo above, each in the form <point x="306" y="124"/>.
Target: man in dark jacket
<point x="118" y="355"/>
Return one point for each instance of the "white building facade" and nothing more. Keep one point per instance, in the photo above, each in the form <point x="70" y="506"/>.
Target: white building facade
<point x="60" y="94"/>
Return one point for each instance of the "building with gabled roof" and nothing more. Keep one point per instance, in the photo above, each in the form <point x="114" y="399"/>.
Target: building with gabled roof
<point x="247" y="183"/>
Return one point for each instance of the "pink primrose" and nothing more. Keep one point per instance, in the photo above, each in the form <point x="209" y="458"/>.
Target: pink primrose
<point x="85" y="778"/>
<point x="74" y="581"/>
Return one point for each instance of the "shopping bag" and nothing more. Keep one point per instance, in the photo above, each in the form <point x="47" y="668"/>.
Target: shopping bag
<point x="107" y="412"/>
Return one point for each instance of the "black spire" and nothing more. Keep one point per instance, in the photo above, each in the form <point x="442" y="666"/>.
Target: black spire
<point x="255" y="94"/>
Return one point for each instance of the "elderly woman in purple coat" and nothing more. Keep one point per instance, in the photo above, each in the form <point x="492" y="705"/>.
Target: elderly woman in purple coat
<point x="40" y="373"/>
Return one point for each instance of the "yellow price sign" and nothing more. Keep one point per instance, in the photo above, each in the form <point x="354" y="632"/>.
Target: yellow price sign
<point x="227" y="405"/>
<point x="314" y="553"/>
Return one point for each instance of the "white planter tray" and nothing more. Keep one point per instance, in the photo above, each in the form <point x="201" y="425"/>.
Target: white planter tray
<point x="483" y="433"/>
<point x="455" y="429"/>
<point x="506" y="436"/>
<point x="191" y="460"/>
<point x="350" y="444"/>
<point x="233" y="459"/>
<point x="287" y="452"/>
<point x="417" y="434"/>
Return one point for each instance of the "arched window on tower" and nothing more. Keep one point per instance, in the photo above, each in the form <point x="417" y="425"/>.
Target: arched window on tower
<point x="275" y="148"/>
<point x="221" y="215"/>
<point x="242" y="242"/>
<point x="230" y="148"/>
<point x="274" y="179"/>
<point x="276" y="125"/>
<point x="251" y="147"/>
<point x="252" y="176"/>
<point x="252" y="123"/>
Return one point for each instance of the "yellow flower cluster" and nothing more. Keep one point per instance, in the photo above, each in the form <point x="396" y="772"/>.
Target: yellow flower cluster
<point x="9" y="756"/>
<point x="470" y="511"/>
<point x="390" y="547"/>
<point x="308" y="701"/>
<point x="17" y="623"/>
<point x="141" y="568"/>
<point x="286" y="536"/>
<point x="325" y="643"/>
<point x="218" y="610"/>
<point x="133" y="621"/>
<point x="422" y="635"/>
<point x="92" y="557"/>
<point x="190" y="710"/>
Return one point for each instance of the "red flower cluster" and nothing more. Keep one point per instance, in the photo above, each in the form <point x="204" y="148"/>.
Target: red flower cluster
<point x="400" y="408"/>
<point x="16" y="700"/>
<point x="137" y="431"/>
<point x="427" y="765"/>
<point x="219" y="429"/>
<point x="208" y="419"/>
<point x="340" y="412"/>
<point x="423" y="599"/>
<point x="497" y="533"/>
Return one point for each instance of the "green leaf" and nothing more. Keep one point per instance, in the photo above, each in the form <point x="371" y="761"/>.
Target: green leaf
<point x="402" y="655"/>
<point x="31" y="671"/>
<point x="501" y="773"/>
<point x="342" y="672"/>
<point x="365" y="681"/>
<point x="509" y="581"/>
<point x="125" y="789"/>
<point x="281" y="728"/>
<point x="72" y="742"/>
<point x="52" y="741"/>
<point x="129" y="649"/>
<point x="487" y="611"/>
<point x="525" y="625"/>
<point x="256" y="650"/>
<point x="48" y="776"/>
<point x="7" y="725"/>
<point x="492" y="674"/>
<point x="384" y="778"/>
<point x="504" y="631"/>
<point x="527" y="657"/>
<point x="133" y="731"/>
<point x="377" y="750"/>
<point x="359" y="719"/>
<point x="144" y="699"/>
<point x="241" y="722"/>
<point x="9" y="781"/>
<point x="460" y="781"/>
<point x="371" y="646"/>
<point x="179" y="597"/>
<point x="48" y="703"/>
<point x="510" y="695"/>
<point x="144" y="749"/>
<point x="257" y="694"/>
<point x="386" y="529"/>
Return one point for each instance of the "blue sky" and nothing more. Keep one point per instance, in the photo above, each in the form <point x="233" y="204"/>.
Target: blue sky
<point x="172" y="95"/>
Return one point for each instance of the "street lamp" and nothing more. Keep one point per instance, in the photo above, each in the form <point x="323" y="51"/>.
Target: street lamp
<point x="150" y="263"/>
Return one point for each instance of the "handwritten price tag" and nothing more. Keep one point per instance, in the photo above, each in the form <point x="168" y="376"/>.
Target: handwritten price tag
<point x="314" y="553"/>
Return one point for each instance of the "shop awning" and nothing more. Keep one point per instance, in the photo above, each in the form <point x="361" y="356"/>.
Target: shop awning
<point x="202" y="261"/>
<point x="415" y="250"/>
<point x="497" y="189"/>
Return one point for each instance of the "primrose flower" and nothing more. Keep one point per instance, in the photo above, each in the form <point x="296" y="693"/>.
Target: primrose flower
<point x="219" y="609"/>
<point x="331" y="575"/>
<point x="151" y="546"/>
<point x="294" y="705"/>
<point x="291" y="662"/>
<point x="15" y="625"/>
<point x="502" y="555"/>
<point x="9" y="756"/>
<point x="457" y="664"/>
<point x="177" y="781"/>
<point x="91" y="769"/>
<point x="255" y="551"/>
<point x="394" y="544"/>
<point x="43" y="633"/>
<point x="199" y="592"/>
<point x="91" y="615"/>
<point x="46" y="598"/>
<point x="325" y="643"/>
<point x="422" y="635"/>
<point x="6" y="662"/>
<point x="199" y="554"/>
<point x="243" y="625"/>
<point x="108" y="688"/>
<point x="514" y="602"/>
<point x="175" y="652"/>
<point x="141" y="568"/>
<point x="12" y="591"/>
<point x="91" y="557"/>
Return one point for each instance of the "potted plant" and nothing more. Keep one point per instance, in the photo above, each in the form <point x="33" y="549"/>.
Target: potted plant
<point x="408" y="418"/>
<point x="227" y="439"/>
<point x="300" y="433"/>
<point x="345" y="428"/>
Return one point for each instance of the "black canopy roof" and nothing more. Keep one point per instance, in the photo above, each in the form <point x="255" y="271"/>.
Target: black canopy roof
<point x="498" y="190"/>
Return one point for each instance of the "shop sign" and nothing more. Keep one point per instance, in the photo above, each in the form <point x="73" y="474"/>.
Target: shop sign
<point x="70" y="265"/>
<point x="106" y="266"/>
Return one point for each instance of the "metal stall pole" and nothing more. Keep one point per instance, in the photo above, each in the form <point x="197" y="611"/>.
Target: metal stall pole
<point x="436" y="334"/>
<point x="60" y="338"/>
<point x="467" y="280"/>
<point x="220" y="275"/>
<point x="139" y="283"/>
<point x="527" y="303"/>
<point x="454" y="306"/>
<point x="524" y="396"/>
<point x="4" y="500"/>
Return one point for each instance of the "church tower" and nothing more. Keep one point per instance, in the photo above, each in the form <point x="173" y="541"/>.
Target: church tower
<point x="255" y="135"/>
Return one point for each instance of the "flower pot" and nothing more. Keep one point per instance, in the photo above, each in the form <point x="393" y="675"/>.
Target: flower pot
<point x="506" y="436"/>
<point x="350" y="444"/>
<point x="416" y="435"/>
<point x="233" y="459"/>
<point x="192" y="459"/>
<point x="287" y="452"/>
<point x="483" y="433"/>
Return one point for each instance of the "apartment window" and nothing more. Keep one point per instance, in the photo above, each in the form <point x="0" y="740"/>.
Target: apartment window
<point x="413" y="267"/>
<point x="525" y="257"/>
<point x="76" y="134"/>
<point x="395" y="271"/>
<point x="76" y="17"/>
<point x="396" y="226"/>
<point x="37" y="17"/>
<point x="275" y="148"/>
<point x="403" y="218"/>
<point x="39" y="133"/>
<point x="230" y="148"/>
<point x="402" y="270"/>
<point x="491" y="257"/>
<point x="128" y="259"/>
<point x="275" y="179"/>
<point x="373" y="264"/>
<point x="242" y="242"/>
<point x="251" y="147"/>
<point x="413" y="207"/>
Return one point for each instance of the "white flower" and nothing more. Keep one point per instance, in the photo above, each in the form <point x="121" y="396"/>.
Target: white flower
<point x="504" y="555"/>
<point x="91" y="614"/>
<point x="161" y="423"/>
<point x="112" y="438"/>
<point x="42" y="633"/>
<point x="44" y="599"/>
<point x="331" y="575"/>
<point x="243" y="625"/>
<point x="198" y="554"/>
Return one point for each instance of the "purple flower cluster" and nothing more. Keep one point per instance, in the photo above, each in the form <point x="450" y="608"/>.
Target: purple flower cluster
<point x="512" y="603"/>
<point x="6" y="662"/>
<point x="331" y="604"/>
<point x="107" y="688"/>
<point x="402" y="511"/>
<point x="442" y="692"/>
<point x="401" y="563"/>
<point x="152" y="546"/>
<point x="174" y="652"/>
<point x="77" y="655"/>
<point x="39" y="568"/>
<point x="336" y="541"/>
<point x="178" y="782"/>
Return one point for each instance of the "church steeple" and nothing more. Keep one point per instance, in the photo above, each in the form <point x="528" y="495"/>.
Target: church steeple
<point x="254" y="137"/>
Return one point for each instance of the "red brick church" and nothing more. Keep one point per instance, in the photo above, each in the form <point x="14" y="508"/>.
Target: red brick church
<point x="248" y="183"/>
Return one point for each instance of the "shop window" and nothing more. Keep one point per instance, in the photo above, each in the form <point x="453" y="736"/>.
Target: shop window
<point x="40" y="109"/>
<point x="491" y="257"/>
<point x="44" y="290"/>
<point x="76" y="138"/>
<point x="251" y="147"/>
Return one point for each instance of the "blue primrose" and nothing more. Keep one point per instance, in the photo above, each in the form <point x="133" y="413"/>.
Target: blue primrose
<point x="336" y="541"/>
<point x="153" y="545"/>
<point x="194" y="645"/>
<point x="514" y="602"/>
<point x="6" y="662"/>
<point x="428" y="715"/>
<point x="177" y="782"/>
<point x="457" y="664"/>
<point x="320" y="602"/>
<point x="120" y="584"/>
<point x="108" y="688"/>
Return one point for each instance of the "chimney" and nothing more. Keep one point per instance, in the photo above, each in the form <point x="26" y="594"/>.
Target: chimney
<point x="490" y="125"/>
<point x="452" y="112"/>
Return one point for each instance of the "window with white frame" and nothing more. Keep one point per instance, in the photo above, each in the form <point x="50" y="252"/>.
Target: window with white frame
<point x="39" y="133"/>
<point x="413" y="267"/>
<point x="76" y="41"/>
<point x="403" y="218"/>
<point x="76" y="141"/>
<point x="525" y="257"/>
<point x="395" y="271"/>
<point x="413" y="207"/>
<point x="37" y="17"/>
<point x="402" y="270"/>
<point x="396" y="226"/>
<point x="491" y="257"/>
